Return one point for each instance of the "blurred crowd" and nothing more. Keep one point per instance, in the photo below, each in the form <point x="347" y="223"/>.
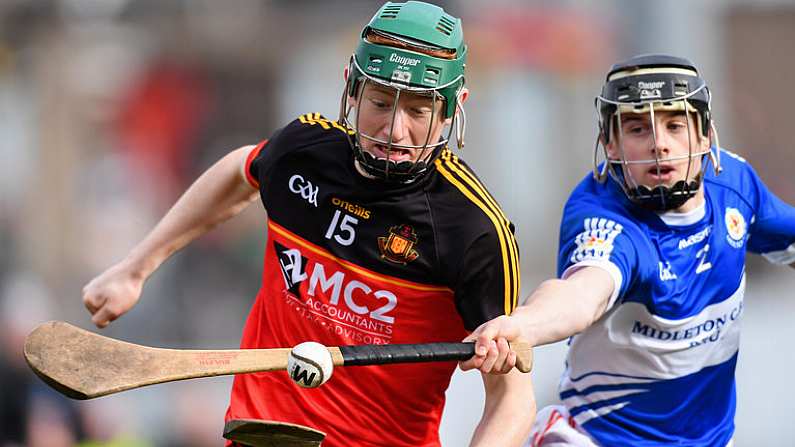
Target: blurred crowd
<point x="110" y="108"/>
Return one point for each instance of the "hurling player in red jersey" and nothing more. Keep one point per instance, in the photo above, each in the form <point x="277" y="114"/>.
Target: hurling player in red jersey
<point x="377" y="234"/>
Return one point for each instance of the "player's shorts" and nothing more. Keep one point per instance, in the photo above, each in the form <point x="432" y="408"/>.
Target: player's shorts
<point x="555" y="427"/>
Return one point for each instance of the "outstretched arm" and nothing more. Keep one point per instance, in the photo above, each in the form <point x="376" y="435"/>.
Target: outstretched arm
<point x="772" y="225"/>
<point x="509" y="410"/>
<point x="220" y="193"/>
<point x="556" y="310"/>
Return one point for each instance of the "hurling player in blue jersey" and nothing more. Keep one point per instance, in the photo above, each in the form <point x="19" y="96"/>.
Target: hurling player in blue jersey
<point x="652" y="271"/>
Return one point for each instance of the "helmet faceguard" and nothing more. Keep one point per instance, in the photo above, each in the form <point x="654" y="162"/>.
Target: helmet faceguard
<point x="653" y="84"/>
<point x="414" y="50"/>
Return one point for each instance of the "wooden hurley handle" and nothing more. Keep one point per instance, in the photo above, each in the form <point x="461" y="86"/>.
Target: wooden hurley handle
<point x="85" y="365"/>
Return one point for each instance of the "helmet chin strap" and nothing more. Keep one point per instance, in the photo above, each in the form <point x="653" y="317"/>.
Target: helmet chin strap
<point x="663" y="198"/>
<point x="399" y="172"/>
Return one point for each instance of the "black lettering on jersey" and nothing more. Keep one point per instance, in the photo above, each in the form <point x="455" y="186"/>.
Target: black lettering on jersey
<point x="293" y="266"/>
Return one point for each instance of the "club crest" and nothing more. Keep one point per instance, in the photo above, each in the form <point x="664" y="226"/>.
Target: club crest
<point x="735" y="226"/>
<point x="398" y="247"/>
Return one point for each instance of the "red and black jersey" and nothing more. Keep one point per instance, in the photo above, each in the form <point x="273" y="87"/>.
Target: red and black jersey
<point x="351" y="260"/>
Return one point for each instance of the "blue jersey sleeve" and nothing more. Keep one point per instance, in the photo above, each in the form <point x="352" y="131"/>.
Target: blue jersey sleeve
<point x="772" y="231"/>
<point x="592" y="235"/>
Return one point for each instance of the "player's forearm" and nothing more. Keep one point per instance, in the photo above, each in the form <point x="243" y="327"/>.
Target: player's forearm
<point x="509" y="410"/>
<point x="558" y="309"/>
<point x="218" y="194"/>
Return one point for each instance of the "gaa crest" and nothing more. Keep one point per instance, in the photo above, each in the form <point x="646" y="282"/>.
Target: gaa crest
<point x="398" y="247"/>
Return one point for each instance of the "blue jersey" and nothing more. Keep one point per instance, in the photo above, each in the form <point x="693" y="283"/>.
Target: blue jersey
<point x="658" y="367"/>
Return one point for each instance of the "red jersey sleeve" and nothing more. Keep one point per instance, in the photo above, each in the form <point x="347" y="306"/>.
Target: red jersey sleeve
<point x="250" y="174"/>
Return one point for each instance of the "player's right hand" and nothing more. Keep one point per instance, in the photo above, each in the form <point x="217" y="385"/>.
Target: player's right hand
<point x="112" y="293"/>
<point x="492" y="352"/>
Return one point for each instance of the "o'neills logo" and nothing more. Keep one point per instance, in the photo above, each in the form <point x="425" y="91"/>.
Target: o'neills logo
<point x="403" y="60"/>
<point x="351" y="207"/>
<point x="398" y="247"/>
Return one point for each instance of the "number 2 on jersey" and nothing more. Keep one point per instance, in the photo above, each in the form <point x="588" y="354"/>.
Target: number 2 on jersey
<point x="345" y="233"/>
<point x="703" y="265"/>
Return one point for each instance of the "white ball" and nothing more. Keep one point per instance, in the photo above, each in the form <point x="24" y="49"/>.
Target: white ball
<point x="309" y="364"/>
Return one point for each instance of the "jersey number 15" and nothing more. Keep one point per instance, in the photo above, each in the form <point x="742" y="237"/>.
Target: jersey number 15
<point x="342" y="230"/>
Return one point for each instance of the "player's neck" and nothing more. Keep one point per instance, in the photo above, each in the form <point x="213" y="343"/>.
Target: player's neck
<point x="696" y="202"/>
<point x="689" y="213"/>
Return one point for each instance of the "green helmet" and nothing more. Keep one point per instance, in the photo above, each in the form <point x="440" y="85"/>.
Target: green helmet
<point x="410" y="47"/>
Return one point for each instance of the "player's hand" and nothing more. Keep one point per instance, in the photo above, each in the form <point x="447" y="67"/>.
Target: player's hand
<point x="493" y="355"/>
<point x="112" y="293"/>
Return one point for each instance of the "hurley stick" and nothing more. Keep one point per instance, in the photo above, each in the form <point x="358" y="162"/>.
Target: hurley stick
<point x="259" y="433"/>
<point x="85" y="365"/>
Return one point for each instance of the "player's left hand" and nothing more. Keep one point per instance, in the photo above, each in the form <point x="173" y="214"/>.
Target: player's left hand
<point x="493" y="354"/>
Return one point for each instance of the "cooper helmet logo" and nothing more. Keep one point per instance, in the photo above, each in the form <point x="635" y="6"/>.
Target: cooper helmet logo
<point x="650" y="89"/>
<point x="304" y="188"/>
<point x="403" y="60"/>
<point x="651" y="85"/>
<point x="398" y="247"/>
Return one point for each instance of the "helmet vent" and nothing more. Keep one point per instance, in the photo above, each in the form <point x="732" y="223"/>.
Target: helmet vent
<point x="446" y="25"/>
<point x="681" y="88"/>
<point x="623" y="92"/>
<point x="431" y="75"/>
<point x="391" y="12"/>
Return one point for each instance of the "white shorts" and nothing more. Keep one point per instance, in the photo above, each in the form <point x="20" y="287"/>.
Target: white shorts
<point x="555" y="427"/>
